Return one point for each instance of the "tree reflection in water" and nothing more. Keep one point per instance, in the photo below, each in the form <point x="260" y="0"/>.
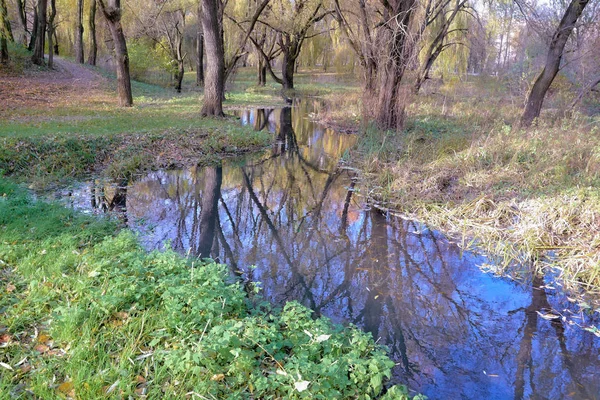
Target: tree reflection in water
<point x="454" y="331"/>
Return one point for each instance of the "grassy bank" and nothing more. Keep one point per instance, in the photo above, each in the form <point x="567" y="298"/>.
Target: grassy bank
<point x="86" y="313"/>
<point x="57" y="130"/>
<point x="528" y="198"/>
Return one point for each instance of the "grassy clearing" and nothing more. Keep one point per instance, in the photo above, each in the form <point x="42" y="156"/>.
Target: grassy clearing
<point x="56" y="129"/>
<point x="529" y="198"/>
<point x="86" y="313"/>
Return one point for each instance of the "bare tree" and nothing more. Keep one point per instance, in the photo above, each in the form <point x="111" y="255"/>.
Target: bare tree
<point x="443" y="13"/>
<point x="553" y="59"/>
<point x="361" y="40"/>
<point x="396" y="38"/>
<point x="112" y="14"/>
<point x="173" y="28"/>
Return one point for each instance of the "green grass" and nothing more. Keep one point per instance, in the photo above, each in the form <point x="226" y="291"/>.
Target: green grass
<point x="86" y="313"/>
<point x="91" y="135"/>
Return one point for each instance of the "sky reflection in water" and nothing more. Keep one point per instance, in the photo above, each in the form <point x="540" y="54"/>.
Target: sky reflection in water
<point x="454" y="331"/>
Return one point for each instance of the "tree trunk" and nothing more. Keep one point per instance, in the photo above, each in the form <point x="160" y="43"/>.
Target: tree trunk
<point x="5" y="32"/>
<point x="3" y="50"/>
<point x="262" y="72"/>
<point x="215" y="66"/>
<point x="55" y="44"/>
<point x="79" y="33"/>
<point x="200" y="50"/>
<point x="51" y="30"/>
<point x="38" y="51"/>
<point x="179" y="76"/>
<point x="112" y="15"/>
<point x="34" y="29"/>
<point x="555" y="53"/>
<point x="288" y="66"/>
<point x="92" y="29"/>
<point x="392" y="97"/>
<point x="23" y="20"/>
<point x="588" y="88"/>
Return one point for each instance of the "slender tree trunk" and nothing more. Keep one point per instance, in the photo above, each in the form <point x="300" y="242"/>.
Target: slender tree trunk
<point x="51" y="29"/>
<point x="23" y="19"/>
<point x="34" y="29"/>
<point x="584" y="91"/>
<point x="180" y="65"/>
<point x="262" y="72"/>
<point x="3" y="50"/>
<point x="179" y="76"/>
<point x="555" y="53"/>
<point x="112" y="14"/>
<point x="200" y="49"/>
<point x="55" y="44"/>
<point x="93" y="52"/>
<point x="215" y="67"/>
<point x="79" y="33"/>
<point x="38" y="51"/>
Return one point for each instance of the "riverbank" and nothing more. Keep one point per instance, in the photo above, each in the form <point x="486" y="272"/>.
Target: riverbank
<point x="527" y="198"/>
<point x="64" y="124"/>
<point x="87" y="313"/>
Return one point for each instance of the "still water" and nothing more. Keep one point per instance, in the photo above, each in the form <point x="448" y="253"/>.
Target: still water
<point x="292" y="220"/>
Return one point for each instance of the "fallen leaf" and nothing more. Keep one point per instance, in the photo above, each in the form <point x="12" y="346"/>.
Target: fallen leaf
<point x="141" y="391"/>
<point x="42" y="348"/>
<point x="548" y="316"/>
<point x="25" y="368"/>
<point x="322" y="338"/>
<point x="43" y="338"/>
<point x="111" y="388"/>
<point x="121" y="314"/>
<point x="10" y="288"/>
<point x="67" y="388"/>
<point x="5" y="339"/>
<point x="301" y="386"/>
<point x="4" y="365"/>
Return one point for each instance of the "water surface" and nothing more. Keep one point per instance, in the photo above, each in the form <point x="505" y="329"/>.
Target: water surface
<point x="454" y="331"/>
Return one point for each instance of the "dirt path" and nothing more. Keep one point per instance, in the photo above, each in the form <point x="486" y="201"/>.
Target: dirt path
<point x="68" y="84"/>
<point x="77" y="75"/>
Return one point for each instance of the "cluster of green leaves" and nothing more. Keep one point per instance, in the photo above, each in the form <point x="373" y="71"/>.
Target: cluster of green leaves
<point x="90" y="314"/>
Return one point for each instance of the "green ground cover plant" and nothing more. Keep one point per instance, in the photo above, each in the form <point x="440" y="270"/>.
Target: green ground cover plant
<point x="87" y="313"/>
